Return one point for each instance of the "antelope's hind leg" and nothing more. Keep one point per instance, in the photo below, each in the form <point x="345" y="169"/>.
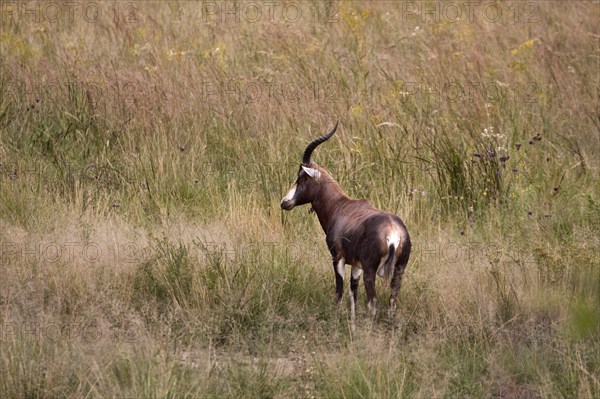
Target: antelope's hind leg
<point x="369" y="279"/>
<point x="395" y="286"/>
<point x="396" y="282"/>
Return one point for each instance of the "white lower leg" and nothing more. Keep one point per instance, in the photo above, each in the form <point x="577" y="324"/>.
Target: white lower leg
<point x="373" y="307"/>
<point x="392" y="309"/>
<point x="352" y="307"/>
<point x="352" y="312"/>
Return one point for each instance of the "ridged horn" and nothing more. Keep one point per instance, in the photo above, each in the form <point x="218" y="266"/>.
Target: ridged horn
<point x="315" y="143"/>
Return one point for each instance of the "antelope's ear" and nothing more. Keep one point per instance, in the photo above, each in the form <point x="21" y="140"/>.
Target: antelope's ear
<point x="315" y="174"/>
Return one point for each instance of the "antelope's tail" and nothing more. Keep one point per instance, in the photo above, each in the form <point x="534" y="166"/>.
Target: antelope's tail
<point x="386" y="269"/>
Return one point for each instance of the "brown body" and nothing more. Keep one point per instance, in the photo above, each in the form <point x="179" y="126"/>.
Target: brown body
<point x="357" y="234"/>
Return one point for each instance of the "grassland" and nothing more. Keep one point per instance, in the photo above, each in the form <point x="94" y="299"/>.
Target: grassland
<point x="145" y="146"/>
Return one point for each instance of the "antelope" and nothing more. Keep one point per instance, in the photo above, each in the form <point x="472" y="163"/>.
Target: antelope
<point x="372" y="241"/>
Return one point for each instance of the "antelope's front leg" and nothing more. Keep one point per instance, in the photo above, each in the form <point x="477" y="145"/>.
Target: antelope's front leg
<point x="338" y="270"/>
<point x="354" y="279"/>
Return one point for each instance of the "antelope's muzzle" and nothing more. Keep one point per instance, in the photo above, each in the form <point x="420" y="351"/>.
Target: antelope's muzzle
<point x="288" y="202"/>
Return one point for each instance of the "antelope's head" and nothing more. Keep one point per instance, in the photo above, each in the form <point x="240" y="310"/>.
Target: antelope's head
<point x="308" y="181"/>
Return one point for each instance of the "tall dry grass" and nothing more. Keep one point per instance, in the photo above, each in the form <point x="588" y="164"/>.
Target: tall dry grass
<point x="145" y="146"/>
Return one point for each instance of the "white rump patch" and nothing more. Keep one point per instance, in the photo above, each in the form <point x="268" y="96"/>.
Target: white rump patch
<point x="393" y="239"/>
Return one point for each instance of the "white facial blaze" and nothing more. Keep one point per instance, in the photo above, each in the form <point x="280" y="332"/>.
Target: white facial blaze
<point x="290" y="194"/>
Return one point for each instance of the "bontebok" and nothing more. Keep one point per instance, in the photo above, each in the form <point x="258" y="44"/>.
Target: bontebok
<point x="372" y="241"/>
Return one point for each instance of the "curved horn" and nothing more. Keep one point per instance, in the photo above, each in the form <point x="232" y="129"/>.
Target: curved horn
<point x="315" y="143"/>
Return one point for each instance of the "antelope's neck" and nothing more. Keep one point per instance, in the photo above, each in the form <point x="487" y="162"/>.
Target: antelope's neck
<point x="327" y="201"/>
